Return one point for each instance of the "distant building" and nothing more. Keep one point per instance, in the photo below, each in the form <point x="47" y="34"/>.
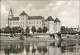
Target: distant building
<point x="38" y="21"/>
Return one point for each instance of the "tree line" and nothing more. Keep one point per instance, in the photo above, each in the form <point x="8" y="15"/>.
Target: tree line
<point x="21" y="30"/>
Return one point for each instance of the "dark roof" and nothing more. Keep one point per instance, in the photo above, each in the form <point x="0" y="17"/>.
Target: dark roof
<point x="35" y="17"/>
<point x="68" y="31"/>
<point x="49" y="19"/>
<point x="23" y="13"/>
<point x="57" y="20"/>
<point x="14" y="18"/>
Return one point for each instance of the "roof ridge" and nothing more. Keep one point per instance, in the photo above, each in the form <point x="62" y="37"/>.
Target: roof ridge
<point x="23" y="13"/>
<point x="49" y="18"/>
<point x="57" y="20"/>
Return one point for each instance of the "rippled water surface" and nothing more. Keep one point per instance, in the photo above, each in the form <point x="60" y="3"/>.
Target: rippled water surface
<point x="38" y="48"/>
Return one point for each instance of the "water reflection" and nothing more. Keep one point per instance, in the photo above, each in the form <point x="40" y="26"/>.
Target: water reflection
<point x="38" y="48"/>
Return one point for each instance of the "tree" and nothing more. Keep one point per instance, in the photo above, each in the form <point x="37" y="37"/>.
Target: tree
<point x="45" y="29"/>
<point x="27" y="30"/>
<point x="44" y="49"/>
<point x="20" y="30"/>
<point x="33" y="50"/>
<point x="63" y="29"/>
<point x="28" y="48"/>
<point x="79" y="32"/>
<point x="0" y="30"/>
<point x="7" y="29"/>
<point x="40" y="30"/>
<point x="17" y="30"/>
<point x="33" y="29"/>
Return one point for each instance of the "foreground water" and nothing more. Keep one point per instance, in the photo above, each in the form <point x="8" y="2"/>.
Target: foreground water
<point x="38" y="48"/>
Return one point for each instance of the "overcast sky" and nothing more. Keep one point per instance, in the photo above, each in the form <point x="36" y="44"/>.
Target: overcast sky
<point x="66" y="11"/>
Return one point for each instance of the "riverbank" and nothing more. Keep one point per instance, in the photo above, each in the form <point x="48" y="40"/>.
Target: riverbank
<point x="17" y="39"/>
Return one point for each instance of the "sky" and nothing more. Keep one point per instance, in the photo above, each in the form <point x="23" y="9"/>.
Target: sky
<point x="66" y="10"/>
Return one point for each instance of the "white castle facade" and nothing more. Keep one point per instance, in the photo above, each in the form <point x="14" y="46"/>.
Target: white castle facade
<point x="38" y="21"/>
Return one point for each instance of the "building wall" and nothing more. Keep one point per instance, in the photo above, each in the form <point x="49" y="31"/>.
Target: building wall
<point x="54" y="27"/>
<point x="13" y="23"/>
<point x="51" y="26"/>
<point x="57" y="27"/>
<point x="35" y="22"/>
<point x="23" y="20"/>
<point x="47" y="24"/>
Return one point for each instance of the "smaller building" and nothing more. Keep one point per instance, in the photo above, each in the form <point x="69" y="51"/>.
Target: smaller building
<point x="54" y="26"/>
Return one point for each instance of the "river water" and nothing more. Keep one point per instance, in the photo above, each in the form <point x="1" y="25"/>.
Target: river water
<point x="38" y="48"/>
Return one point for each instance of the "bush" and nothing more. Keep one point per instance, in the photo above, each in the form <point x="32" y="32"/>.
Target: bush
<point x="21" y="38"/>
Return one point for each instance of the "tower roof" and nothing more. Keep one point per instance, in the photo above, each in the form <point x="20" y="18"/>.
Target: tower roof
<point x="23" y="13"/>
<point x="57" y="20"/>
<point x="11" y="12"/>
<point x="49" y="19"/>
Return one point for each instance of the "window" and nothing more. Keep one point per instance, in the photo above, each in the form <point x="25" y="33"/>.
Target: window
<point x="40" y="22"/>
<point x="23" y="25"/>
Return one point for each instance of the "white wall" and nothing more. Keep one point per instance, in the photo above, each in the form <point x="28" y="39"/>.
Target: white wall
<point x="57" y="27"/>
<point x="13" y="23"/>
<point x="51" y="26"/>
<point x="35" y="22"/>
<point x="23" y="21"/>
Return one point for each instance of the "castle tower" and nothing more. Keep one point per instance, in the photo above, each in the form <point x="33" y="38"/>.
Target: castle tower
<point x="23" y="20"/>
<point x="49" y="22"/>
<point x="10" y="14"/>
<point x="57" y="25"/>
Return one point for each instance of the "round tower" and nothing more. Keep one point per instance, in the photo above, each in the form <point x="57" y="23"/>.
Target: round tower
<point x="50" y="24"/>
<point x="57" y="25"/>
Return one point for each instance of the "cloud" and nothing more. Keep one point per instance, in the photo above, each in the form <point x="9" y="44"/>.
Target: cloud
<point x="4" y="15"/>
<point x="3" y="9"/>
<point x="67" y="11"/>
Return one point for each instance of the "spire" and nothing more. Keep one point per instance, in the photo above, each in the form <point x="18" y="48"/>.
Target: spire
<point x="10" y="13"/>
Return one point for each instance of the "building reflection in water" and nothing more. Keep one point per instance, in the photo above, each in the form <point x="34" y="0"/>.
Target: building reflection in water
<point x="38" y="48"/>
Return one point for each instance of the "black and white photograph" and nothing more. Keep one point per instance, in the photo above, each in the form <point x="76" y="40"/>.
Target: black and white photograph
<point x="39" y="27"/>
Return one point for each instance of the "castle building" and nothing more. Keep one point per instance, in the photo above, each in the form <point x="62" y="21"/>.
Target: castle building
<point x="38" y="21"/>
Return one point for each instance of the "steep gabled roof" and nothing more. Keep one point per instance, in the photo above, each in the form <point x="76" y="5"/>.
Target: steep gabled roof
<point x="14" y="18"/>
<point x="57" y="20"/>
<point x="49" y="19"/>
<point x="23" y="13"/>
<point x="35" y="17"/>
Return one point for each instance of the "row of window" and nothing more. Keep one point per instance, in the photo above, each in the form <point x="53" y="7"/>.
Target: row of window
<point x="35" y="22"/>
<point x="22" y="25"/>
<point x="14" y="23"/>
<point x="22" y="22"/>
<point x="22" y="19"/>
<point x="31" y="26"/>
